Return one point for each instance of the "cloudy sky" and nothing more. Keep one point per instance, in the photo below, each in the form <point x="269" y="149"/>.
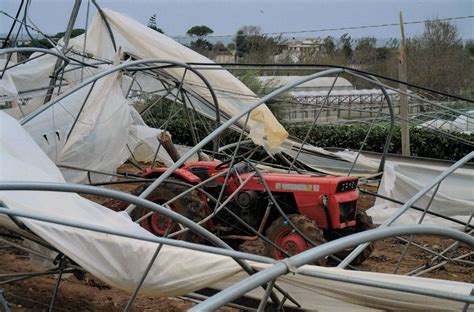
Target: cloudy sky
<point x="226" y="16"/>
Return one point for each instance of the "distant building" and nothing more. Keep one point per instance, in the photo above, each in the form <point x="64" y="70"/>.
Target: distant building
<point x="294" y="50"/>
<point x="18" y="41"/>
<point x="224" y="58"/>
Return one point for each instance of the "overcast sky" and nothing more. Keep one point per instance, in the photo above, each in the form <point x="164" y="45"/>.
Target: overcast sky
<point x="226" y="16"/>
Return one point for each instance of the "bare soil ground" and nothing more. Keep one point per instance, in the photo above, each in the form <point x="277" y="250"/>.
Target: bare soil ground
<point x="91" y="294"/>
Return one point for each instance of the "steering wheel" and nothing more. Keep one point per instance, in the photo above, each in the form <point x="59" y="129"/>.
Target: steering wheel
<point x="228" y="161"/>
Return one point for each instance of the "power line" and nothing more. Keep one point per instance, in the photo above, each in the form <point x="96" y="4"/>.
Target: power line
<point x="341" y="28"/>
<point x="306" y="66"/>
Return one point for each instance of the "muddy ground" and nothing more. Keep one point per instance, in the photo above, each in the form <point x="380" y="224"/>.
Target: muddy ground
<point x="92" y="295"/>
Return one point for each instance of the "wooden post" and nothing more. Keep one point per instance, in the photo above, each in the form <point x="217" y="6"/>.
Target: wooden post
<point x="402" y="75"/>
<point x="165" y="140"/>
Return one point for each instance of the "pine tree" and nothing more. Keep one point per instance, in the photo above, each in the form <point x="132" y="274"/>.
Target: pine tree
<point x="152" y="24"/>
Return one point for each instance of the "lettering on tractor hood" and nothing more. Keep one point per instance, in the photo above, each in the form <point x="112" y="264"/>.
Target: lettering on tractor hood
<point x="297" y="187"/>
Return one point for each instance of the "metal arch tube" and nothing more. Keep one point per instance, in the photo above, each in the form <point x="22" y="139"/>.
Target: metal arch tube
<point x="391" y="112"/>
<point x="382" y="285"/>
<point x="12" y="27"/>
<point x="58" y="64"/>
<point x="390" y="130"/>
<point x="408" y="204"/>
<point x="208" y="66"/>
<point x="323" y="105"/>
<point x="154" y="239"/>
<point x="106" y="22"/>
<point x="107" y="72"/>
<point x="41" y="50"/>
<point x="208" y="86"/>
<point x="74" y="188"/>
<point x="239" y="289"/>
<point x="447" y="108"/>
<point x="224" y="126"/>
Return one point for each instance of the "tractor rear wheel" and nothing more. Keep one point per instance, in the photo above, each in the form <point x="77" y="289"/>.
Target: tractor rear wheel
<point x="283" y="235"/>
<point x="189" y="206"/>
<point x="363" y="223"/>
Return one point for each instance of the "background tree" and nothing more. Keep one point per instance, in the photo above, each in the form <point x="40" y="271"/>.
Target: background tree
<point x="45" y="43"/>
<point x="239" y="40"/>
<point x="254" y="47"/>
<point x="346" y="47"/>
<point x="329" y="45"/>
<point x="231" y="46"/>
<point x="219" y="46"/>
<point x="74" y="33"/>
<point x="200" y="44"/>
<point x="199" y="31"/>
<point x="152" y="24"/>
<point x="365" y="52"/>
<point x="469" y="47"/>
<point x="438" y="60"/>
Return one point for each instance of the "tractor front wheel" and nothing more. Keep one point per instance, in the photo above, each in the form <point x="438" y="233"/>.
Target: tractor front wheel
<point x="284" y="236"/>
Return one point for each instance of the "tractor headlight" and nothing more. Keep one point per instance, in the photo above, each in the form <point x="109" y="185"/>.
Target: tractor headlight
<point x="345" y="186"/>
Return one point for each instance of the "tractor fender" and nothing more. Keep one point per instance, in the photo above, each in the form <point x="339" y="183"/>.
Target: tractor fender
<point x="181" y="174"/>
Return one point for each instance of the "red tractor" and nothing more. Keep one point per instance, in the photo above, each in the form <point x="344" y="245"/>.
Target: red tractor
<point x="322" y="208"/>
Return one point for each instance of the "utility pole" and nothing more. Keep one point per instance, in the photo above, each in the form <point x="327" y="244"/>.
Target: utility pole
<point x="402" y="76"/>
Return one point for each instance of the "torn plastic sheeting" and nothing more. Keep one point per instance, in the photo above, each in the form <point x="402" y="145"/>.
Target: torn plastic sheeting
<point x="321" y="160"/>
<point x="29" y="81"/>
<point x="144" y="140"/>
<point x="36" y="73"/>
<point x="33" y="75"/>
<point x="7" y="86"/>
<point x="97" y="141"/>
<point x="402" y="181"/>
<point x="116" y="260"/>
<point x="51" y="127"/>
<point x="326" y="295"/>
<point x="143" y="42"/>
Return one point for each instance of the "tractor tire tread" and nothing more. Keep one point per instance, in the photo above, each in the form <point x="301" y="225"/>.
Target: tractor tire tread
<point x="304" y="224"/>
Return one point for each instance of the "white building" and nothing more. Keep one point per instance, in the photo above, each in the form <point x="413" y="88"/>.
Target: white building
<point x="296" y="49"/>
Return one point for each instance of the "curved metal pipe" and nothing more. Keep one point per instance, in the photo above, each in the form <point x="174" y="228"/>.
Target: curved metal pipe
<point x="109" y="71"/>
<point x="208" y="86"/>
<point x="239" y="289"/>
<point x="13" y="25"/>
<point x="154" y="239"/>
<point x="226" y="125"/>
<point x="75" y="188"/>
<point x="106" y="22"/>
<point x="212" y="66"/>
<point x="408" y="204"/>
<point x="390" y="109"/>
<point x="41" y="50"/>
<point x="101" y="75"/>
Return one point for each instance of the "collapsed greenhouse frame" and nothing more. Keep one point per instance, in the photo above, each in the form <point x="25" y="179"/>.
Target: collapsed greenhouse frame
<point x="278" y="267"/>
<point x="285" y="266"/>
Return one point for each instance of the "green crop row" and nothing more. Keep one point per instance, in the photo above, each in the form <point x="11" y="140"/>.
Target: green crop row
<point x="423" y="142"/>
